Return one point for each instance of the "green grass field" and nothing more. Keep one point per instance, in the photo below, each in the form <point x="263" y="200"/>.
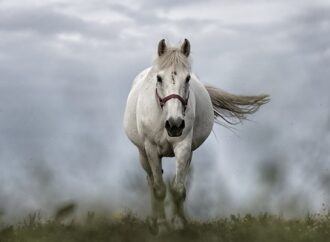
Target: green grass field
<point x="263" y="228"/>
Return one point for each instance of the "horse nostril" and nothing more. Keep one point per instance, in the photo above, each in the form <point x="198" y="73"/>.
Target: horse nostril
<point x="179" y="124"/>
<point x="167" y="124"/>
<point x="182" y="125"/>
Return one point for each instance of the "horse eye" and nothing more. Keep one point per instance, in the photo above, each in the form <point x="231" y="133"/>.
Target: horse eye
<point x="187" y="78"/>
<point x="159" y="79"/>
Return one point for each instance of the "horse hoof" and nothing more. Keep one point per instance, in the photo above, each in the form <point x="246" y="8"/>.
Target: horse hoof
<point x="157" y="227"/>
<point x="163" y="229"/>
<point x="152" y="225"/>
<point x="178" y="223"/>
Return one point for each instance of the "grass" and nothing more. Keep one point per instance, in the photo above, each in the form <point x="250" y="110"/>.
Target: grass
<point x="263" y="228"/>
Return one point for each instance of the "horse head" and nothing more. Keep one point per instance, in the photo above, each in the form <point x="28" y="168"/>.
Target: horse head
<point x="172" y="84"/>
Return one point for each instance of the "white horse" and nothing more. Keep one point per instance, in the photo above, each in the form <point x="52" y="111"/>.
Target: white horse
<point x="170" y="113"/>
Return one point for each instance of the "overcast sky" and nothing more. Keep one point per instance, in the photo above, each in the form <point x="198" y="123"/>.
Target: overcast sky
<point x="66" y="68"/>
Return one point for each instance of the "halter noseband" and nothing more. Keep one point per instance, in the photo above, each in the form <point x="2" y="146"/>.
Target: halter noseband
<point x="162" y="101"/>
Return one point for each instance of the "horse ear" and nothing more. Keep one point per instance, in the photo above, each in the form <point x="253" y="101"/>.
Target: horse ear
<point x="161" y="47"/>
<point x="185" y="47"/>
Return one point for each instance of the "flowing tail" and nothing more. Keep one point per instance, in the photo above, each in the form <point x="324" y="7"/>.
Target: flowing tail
<point x="234" y="108"/>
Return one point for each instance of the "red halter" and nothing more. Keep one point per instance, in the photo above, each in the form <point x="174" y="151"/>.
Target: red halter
<point x="162" y="101"/>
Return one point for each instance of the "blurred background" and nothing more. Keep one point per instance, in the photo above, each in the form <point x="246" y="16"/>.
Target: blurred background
<point x="66" y="69"/>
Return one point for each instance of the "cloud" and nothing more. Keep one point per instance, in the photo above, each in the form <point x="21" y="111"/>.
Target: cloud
<point x="41" y="20"/>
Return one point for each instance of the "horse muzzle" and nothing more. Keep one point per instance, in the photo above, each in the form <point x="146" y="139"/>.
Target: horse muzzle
<point x="174" y="127"/>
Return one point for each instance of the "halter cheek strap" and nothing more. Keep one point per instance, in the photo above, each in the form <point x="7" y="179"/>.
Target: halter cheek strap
<point x="162" y="101"/>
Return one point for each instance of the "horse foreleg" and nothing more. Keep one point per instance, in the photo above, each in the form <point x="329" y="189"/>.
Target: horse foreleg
<point x="183" y="155"/>
<point x="157" y="188"/>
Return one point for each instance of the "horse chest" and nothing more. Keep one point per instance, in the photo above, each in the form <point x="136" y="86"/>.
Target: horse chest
<point x="165" y="148"/>
<point x="153" y="132"/>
